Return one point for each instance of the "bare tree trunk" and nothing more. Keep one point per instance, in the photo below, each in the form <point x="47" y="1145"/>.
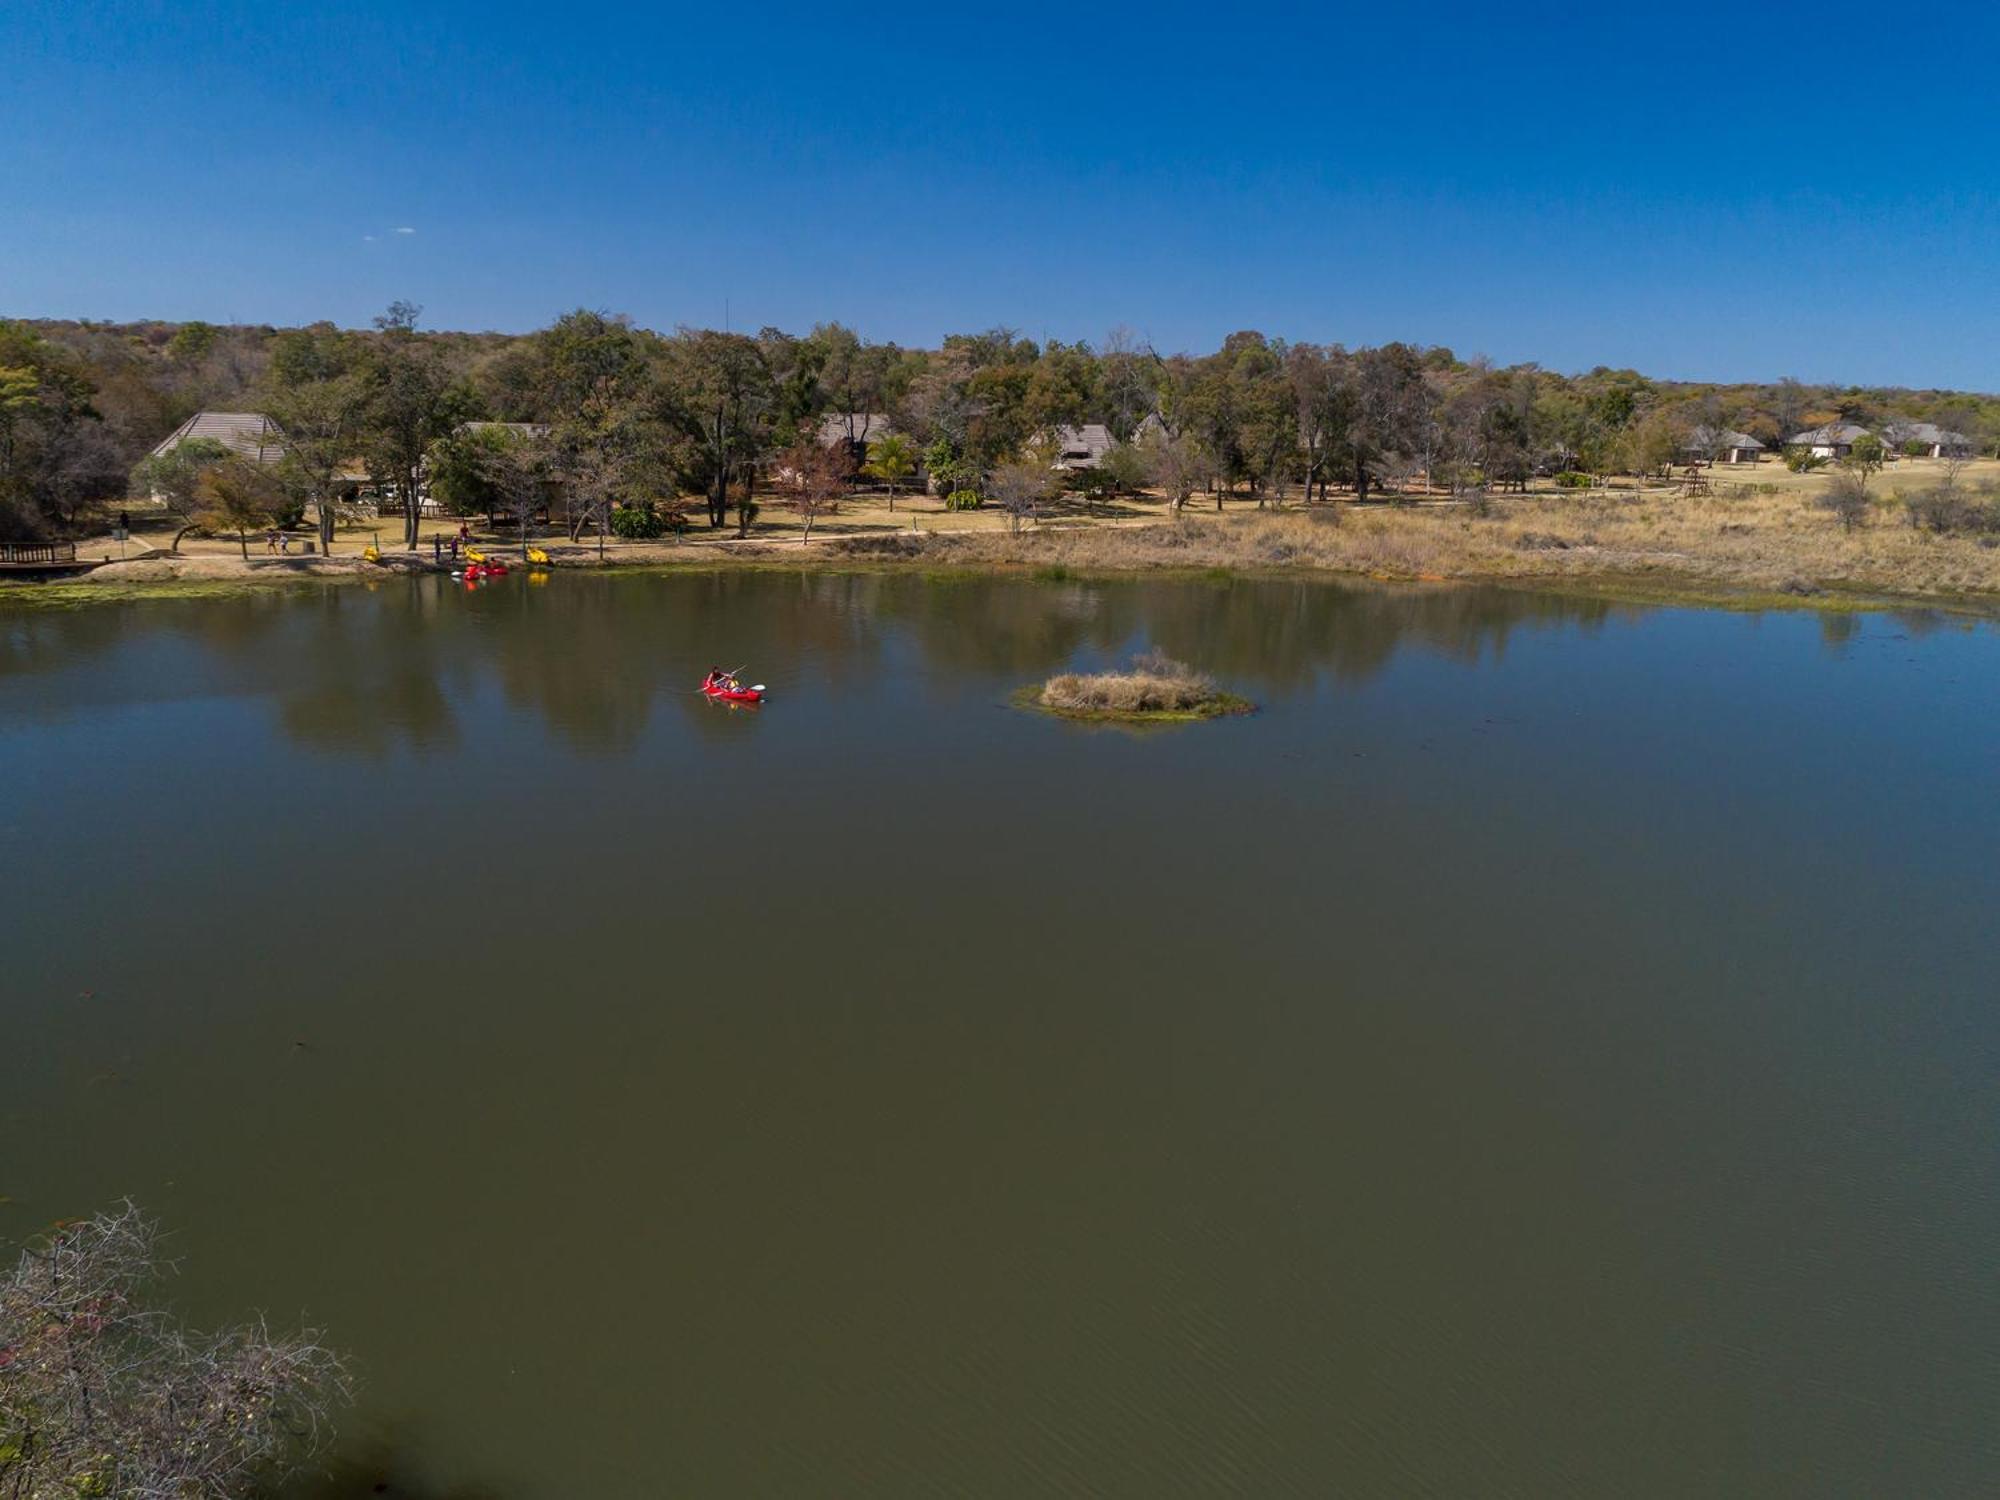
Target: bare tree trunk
<point x="718" y="500"/>
<point x="324" y="504"/>
<point x="747" y="505"/>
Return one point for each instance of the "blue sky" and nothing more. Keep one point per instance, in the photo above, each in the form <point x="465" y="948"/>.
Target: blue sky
<point x="1699" y="191"/>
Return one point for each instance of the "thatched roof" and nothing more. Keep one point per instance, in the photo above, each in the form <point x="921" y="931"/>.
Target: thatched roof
<point x="1833" y="432"/>
<point x="866" y="427"/>
<point x="1704" y="438"/>
<point x="249" y="433"/>
<point x="1083" y="447"/>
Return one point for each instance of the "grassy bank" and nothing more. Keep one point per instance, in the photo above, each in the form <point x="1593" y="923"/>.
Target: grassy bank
<point x="1772" y="549"/>
<point x="1764" y="544"/>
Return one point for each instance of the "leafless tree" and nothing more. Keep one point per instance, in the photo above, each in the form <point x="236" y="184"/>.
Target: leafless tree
<point x="815" y="475"/>
<point x="516" y="468"/>
<point x="1128" y="365"/>
<point x="101" y="1395"/>
<point x="1846" y="498"/>
<point x="1179" y="465"/>
<point x="1019" y="488"/>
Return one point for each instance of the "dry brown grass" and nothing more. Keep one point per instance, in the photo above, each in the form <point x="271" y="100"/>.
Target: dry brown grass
<point x="1762" y="543"/>
<point x="1761" y="532"/>
<point x="1155" y="686"/>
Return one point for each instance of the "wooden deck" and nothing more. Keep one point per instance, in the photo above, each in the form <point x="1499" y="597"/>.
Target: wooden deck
<point x="44" y="560"/>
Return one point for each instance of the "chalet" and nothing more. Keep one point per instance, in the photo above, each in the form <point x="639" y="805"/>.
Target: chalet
<point x="248" y="433"/>
<point x="855" y="428"/>
<point x="1720" y="445"/>
<point x="1835" y="440"/>
<point x="1082" y="447"/>
<point x="1932" y="440"/>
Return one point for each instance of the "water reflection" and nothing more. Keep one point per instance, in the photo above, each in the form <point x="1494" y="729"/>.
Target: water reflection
<point x="398" y="667"/>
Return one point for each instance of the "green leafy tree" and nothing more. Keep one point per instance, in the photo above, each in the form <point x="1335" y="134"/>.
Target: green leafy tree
<point x="1124" y="468"/>
<point x="52" y="452"/>
<point x="719" y="392"/>
<point x="408" y="402"/>
<point x="174" y="478"/>
<point x="1867" y="454"/>
<point x="595" y="383"/>
<point x="892" y="460"/>
<point x="320" y="394"/>
<point x="240" y="495"/>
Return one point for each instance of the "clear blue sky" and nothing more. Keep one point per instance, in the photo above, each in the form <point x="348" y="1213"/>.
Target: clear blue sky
<point x="1727" y="192"/>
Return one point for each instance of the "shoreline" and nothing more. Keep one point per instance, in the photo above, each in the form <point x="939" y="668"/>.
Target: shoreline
<point x="1375" y="548"/>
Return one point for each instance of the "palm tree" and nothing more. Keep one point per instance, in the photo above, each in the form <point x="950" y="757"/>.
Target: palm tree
<point x="891" y="459"/>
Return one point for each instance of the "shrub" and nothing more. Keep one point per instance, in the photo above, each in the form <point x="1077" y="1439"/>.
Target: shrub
<point x="963" y="500"/>
<point x="1845" y="498"/>
<point x="102" y="1392"/>
<point x="636" y="523"/>
<point x="1803" y="460"/>
<point x="1947" y="510"/>
<point x="1573" y="479"/>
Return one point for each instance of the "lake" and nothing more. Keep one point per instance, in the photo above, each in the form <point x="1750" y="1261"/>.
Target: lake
<point x="1551" y="1049"/>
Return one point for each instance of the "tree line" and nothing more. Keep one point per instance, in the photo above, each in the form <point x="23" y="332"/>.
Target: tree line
<point x="620" y="417"/>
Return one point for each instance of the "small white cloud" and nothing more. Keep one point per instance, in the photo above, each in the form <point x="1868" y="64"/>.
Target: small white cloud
<point x="406" y="231"/>
<point x="367" y="239"/>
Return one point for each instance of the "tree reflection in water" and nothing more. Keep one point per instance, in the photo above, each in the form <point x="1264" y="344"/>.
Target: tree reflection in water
<point x="399" y="667"/>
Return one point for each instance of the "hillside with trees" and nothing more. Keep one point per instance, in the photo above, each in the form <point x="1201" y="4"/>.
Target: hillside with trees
<point x="627" y="416"/>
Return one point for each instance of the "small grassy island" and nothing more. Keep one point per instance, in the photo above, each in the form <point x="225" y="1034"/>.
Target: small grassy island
<point x="1155" y="690"/>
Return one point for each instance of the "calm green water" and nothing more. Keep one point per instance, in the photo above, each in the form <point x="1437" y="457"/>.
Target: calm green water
<point x="1550" y="1050"/>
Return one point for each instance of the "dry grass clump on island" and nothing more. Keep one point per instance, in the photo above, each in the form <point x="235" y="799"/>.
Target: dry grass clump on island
<point x="1156" y="687"/>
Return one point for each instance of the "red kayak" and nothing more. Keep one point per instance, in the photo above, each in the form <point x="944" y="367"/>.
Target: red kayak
<point x="727" y="690"/>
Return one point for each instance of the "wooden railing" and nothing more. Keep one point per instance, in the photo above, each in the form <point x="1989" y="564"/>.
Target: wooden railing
<point x="53" y="552"/>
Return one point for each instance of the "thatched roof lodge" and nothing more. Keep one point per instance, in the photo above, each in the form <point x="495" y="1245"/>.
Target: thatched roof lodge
<point x="249" y="433"/>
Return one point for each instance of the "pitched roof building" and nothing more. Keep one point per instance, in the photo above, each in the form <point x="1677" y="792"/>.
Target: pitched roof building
<point x="1834" y="440"/>
<point x="1722" y="445"/>
<point x="249" y="433"/>
<point x="1083" y="447"/>
<point x="1936" y="441"/>
<point x="853" y="426"/>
